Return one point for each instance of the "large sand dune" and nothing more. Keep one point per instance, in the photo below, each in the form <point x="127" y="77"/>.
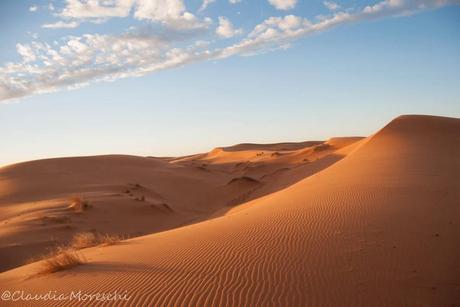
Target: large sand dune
<point x="379" y="227"/>
<point x="133" y="196"/>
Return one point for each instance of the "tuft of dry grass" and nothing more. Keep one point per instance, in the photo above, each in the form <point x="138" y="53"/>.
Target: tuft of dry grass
<point x="62" y="259"/>
<point x="110" y="239"/>
<point x="83" y="240"/>
<point x="78" y="205"/>
<point x="89" y="239"/>
<point x="66" y="256"/>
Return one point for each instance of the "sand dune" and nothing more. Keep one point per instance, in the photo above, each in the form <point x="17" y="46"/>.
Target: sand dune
<point x="376" y="228"/>
<point x="132" y="196"/>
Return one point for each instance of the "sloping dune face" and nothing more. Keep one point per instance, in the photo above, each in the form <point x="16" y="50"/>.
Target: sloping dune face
<point x="125" y="195"/>
<point x="132" y="196"/>
<point x="378" y="228"/>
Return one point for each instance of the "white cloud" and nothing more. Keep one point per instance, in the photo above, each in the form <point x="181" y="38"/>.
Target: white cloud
<point x="33" y="8"/>
<point x="81" y="60"/>
<point x="205" y="4"/>
<point x="96" y="8"/>
<point x="234" y="1"/>
<point x="283" y="4"/>
<point x="226" y="29"/>
<point x="77" y="61"/>
<point x="331" y="5"/>
<point x="160" y="10"/>
<point x="26" y="53"/>
<point x="171" y="13"/>
<point x="61" y="25"/>
<point x="276" y="32"/>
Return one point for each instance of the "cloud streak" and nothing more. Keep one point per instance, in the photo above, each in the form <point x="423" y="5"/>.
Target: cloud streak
<point x="170" y="13"/>
<point x="78" y="61"/>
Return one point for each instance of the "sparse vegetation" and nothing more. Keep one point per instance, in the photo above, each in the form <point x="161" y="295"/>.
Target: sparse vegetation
<point x="66" y="256"/>
<point x="83" y="240"/>
<point x="63" y="259"/>
<point x="110" y="239"/>
<point x="89" y="239"/>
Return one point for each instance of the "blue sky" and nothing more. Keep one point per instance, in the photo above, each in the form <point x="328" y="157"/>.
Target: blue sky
<point x="172" y="77"/>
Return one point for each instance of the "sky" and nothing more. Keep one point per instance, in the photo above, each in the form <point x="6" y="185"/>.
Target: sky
<point x="176" y="77"/>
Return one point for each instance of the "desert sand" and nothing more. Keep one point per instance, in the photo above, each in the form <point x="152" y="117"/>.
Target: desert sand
<point x="347" y="222"/>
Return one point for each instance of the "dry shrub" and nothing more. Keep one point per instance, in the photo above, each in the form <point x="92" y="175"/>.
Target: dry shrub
<point x="84" y="240"/>
<point x="62" y="259"/>
<point x="66" y="257"/>
<point x="110" y="239"/>
<point x="89" y="239"/>
<point x="78" y="205"/>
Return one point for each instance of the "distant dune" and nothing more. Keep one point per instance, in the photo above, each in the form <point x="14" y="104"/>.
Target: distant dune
<point x="347" y="222"/>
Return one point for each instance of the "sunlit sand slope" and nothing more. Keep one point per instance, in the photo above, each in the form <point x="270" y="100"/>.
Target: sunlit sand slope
<point x="133" y="196"/>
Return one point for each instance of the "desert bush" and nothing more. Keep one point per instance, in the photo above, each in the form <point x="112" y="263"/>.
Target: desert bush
<point x="110" y="239"/>
<point x="89" y="239"/>
<point x="84" y="240"/>
<point x="62" y="259"/>
<point x="66" y="257"/>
